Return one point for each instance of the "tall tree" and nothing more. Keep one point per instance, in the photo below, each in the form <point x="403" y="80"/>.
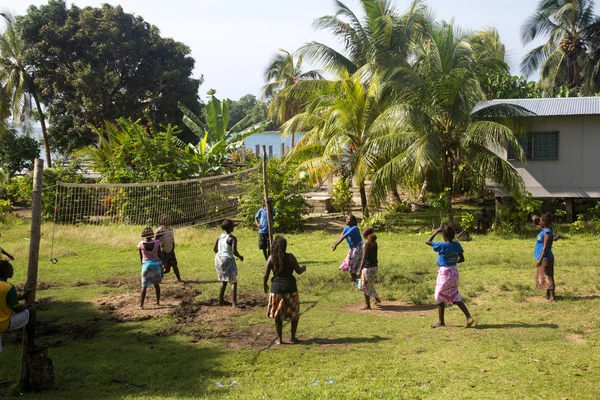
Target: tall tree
<point x="570" y="27"/>
<point x="432" y="128"/>
<point x="17" y="78"/>
<point x="284" y="71"/>
<point x="97" y="64"/>
<point x="381" y="39"/>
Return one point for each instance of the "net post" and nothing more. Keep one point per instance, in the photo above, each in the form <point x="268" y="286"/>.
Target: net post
<point x="267" y="202"/>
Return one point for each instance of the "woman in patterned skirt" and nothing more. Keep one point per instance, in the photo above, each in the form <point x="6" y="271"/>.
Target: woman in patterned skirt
<point x="446" y="285"/>
<point x="284" y="304"/>
<point x="151" y="264"/>
<point x="352" y="261"/>
<point x="226" y="251"/>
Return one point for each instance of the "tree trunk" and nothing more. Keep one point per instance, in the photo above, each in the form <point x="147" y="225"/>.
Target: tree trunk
<point x="450" y="209"/>
<point x="33" y="91"/>
<point x="363" y="199"/>
<point x="422" y="192"/>
<point x="292" y="141"/>
<point x="395" y="195"/>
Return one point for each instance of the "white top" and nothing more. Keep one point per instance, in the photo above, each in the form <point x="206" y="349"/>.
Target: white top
<point x="223" y="249"/>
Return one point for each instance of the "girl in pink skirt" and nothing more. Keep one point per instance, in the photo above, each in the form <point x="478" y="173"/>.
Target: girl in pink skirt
<point x="446" y="287"/>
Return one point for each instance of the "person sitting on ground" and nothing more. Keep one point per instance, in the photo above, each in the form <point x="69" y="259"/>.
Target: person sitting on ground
<point x="263" y="227"/>
<point x="284" y="304"/>
<point x="225" y="252"/>
<point x="164" y="234"/>
<point x="351" y="233"/>
<point x="446" y="286"/>
<point x="368" y="268"/>
<point x="13" y="315"/>
<point x="151" y="264"/>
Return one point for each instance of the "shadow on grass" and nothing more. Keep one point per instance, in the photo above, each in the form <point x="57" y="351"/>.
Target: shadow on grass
<point x="97" y="357"/>
<point x="577" y="298"/>
<point x="410" y="308"/>
<point x="343" y="340"/>
<point x="514" y="326"/>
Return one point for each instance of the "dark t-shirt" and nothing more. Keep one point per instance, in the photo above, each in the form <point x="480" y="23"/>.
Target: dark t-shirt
<point x="370" y="255"/>
<point x="284" y="281"/>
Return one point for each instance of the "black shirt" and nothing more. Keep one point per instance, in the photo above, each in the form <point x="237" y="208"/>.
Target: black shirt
<point x="370" y="259"/>
<point x="284" y="281"/>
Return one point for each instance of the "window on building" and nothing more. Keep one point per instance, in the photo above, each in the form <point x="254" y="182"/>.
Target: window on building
<point x="538" y="146"/>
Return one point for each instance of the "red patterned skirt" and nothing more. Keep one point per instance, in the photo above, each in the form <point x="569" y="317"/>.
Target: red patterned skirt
<point x="284" y="306"/>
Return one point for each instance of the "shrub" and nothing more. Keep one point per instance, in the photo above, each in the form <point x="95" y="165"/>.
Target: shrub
<point x="467" y="221"/>
<point x="5" y="206"/>
<point x="515" y="213"/>
<point x="377" y="221"/>
<point x="579" y="226"/>
<point x="284" y="189"/>
<point x="341" y="197"/>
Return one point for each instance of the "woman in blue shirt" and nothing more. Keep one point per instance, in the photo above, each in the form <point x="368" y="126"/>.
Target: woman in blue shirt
<point x="450" y="253"/>
<point x="544" y="256"/>
<point x="352" y="235"/>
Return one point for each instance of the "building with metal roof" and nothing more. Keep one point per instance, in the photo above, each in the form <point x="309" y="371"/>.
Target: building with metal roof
<point x="562" y="148"/>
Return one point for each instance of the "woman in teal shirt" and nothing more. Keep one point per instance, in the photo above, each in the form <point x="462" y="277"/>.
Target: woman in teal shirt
<point x="544" y="256"/>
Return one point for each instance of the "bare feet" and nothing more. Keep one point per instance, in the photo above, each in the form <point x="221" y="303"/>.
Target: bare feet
<point x="377" y="301"/>
<point x="365" y="308"/>
<point x="294" y="340"/>
<point x="141" y="307"/>
<point x="224" y="303"/>
<point x="437" y="325"/>
<point x="470" y="322"/>
<point x="278" y="342"/>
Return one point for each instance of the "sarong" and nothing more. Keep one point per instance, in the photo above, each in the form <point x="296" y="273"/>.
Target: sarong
<point x="367" y="278"/>
<point x="545" y="275"/>
<point x="284" y="306"/>
<point x="226" y="269"/>
<point x="352" y="261"/>
<point x="446" y="285"/>
<point x="151" y="273"/>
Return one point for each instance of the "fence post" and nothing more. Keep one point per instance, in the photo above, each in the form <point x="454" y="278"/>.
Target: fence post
<point x="257" y="150"/>
<point x="282" y="150"/>
<point x="270" y="151"/>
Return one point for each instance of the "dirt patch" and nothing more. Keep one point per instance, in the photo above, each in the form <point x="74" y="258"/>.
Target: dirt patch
<point x="41" y="285"/>
<point x="199" y="320"/>
<point x="330" y="223"/>
<point x="50" y="332"/>
<point x="393" y="309"/>
<point x="129" y="283"/>
<point x="574" y="338"/>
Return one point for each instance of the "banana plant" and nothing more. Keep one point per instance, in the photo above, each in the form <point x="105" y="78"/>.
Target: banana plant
<point x="212" y="153"/>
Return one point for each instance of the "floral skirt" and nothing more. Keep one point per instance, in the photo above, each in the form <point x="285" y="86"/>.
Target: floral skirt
<point x="352" y="261"/>
<point x="446" y="285"/>
<point x="284" y="306"/>
<point x="226" y="269"/>
<point x="151" y="273"/>
<point x="545" y="275"/>
<point x="367" y="281"/>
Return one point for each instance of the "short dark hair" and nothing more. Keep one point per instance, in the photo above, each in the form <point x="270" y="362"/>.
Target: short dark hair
<point x="368" y="231"/>
<point x="164" y="220"/>
<point x="227" y="224"/>
<point x="547" y="219"/>
<point x="353" y="218"/>
<point x="448" y="233"/>
<point x="4" y="266"/>
<point x="147" y="232"/>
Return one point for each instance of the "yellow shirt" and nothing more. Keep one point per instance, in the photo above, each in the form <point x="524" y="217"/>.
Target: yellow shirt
<point x="5" y="309"/>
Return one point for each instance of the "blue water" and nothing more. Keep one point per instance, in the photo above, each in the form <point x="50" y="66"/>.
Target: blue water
<point x="267" y="138"/>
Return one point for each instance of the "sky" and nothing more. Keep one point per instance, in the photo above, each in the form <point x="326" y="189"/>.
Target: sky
<point x="232" y="41"/>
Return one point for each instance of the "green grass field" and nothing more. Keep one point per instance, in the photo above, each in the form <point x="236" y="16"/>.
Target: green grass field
<point x="103" y="348"/>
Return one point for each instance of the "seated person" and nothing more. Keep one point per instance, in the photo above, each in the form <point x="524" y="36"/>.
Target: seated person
<point x="13" y="315"/>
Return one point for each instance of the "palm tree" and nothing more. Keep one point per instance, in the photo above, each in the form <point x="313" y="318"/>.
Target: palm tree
<point x="283" y="71"/>
<point x="17" y="80"/>
<point x="382" y="39"/>
<point x="340" y="118"/>
<point x="565" y="59"/>
<point x="431" y="129"/>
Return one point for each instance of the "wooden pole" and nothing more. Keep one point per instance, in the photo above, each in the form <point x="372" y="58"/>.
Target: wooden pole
<point x="270" y="151"/>
<point x="282" y="150"/>
<point x="267" y="202"/>
<point x="258" y="150"/>
<point x="32" y="266"/>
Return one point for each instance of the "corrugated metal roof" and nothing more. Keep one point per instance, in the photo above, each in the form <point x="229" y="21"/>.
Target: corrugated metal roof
<point x="551" y="107"/>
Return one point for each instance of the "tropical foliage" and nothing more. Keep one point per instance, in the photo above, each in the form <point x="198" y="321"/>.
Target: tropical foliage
<point x="570" y="55"/>
<point x="129" y="152"/>
<point x="212" y="154"/>
<point x="17" y="152"/>
<point x="20" y="97"/>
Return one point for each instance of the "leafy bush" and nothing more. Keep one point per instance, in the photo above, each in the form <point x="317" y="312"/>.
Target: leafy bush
<point x="5" y="206"/>
<point x="579" y="226"/>
<point x="514" y="214"/>
<point x="377" y="221"/>
<point x="341" y="197"/>
<point x="399" y="207"/>
<point x="284" y="189"/>
<point x="467" y="222"/>
<point x="559" y="215"/>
